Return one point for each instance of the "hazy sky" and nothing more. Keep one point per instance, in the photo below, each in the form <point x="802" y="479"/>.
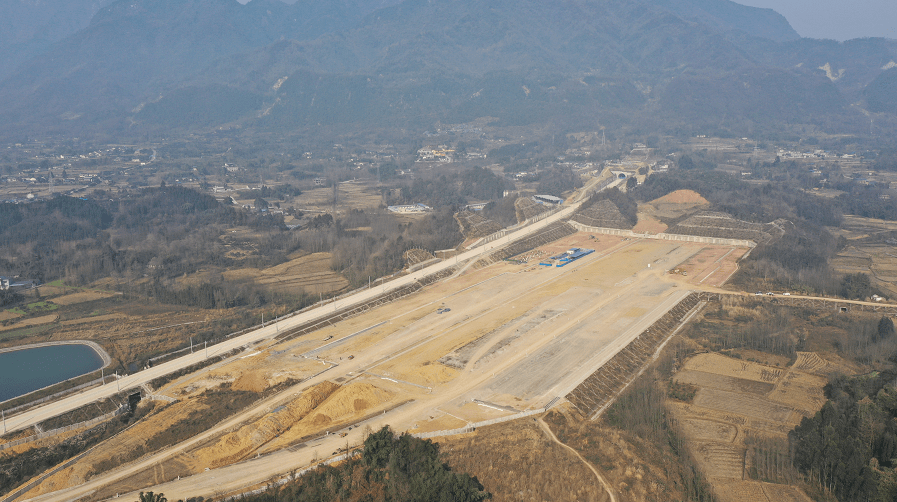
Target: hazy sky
<point x="836" y="19"/>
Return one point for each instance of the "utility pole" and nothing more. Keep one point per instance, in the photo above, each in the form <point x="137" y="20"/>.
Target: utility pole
<point x="207" y="349"/>
<point x="4" y="420"/>
<point x="191" y="344"/>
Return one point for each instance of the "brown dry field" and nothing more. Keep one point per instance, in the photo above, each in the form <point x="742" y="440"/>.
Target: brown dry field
<point x="6" y="315"/>
<point x="350" y="196"/>
<point x="97" y="318"/>
<point x="516" y="461"/>
<point x="637" y="470"/>
<point x="758" y="491"/>
<point x="866" y="253"/>
<point x="80" y="297"/>
<point x="735" y="399"/>
<point x="31" y="321"/>
<point x="310" y="273"/>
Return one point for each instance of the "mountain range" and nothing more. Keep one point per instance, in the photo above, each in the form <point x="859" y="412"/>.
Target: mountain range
<point x="191" y="64"/>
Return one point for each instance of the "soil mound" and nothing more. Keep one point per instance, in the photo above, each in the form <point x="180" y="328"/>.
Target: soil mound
<point x="239" y="444"/>
<point x="348" y="403"/>
<point x="681" y="197"/>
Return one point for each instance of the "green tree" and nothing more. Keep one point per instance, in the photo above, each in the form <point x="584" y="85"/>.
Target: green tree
<point x="885" y="328"/>
<point x="152" y="497"/>
<point x="856" y="286"/>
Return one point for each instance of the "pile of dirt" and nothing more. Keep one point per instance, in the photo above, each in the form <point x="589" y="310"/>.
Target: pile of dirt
<point x="349" y="401"/>
<point x="253" y="381"/>
<point x="344" y="405"/>
<point x="681" y="197"/>
<point x="239" y="444"/>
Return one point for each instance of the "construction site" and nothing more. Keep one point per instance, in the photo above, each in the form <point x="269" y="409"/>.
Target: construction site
<point x="457" y="350"/>
<point x="485" y="340"/>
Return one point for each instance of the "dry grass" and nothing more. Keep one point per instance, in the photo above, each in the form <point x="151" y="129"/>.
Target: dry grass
<point x="81" y="297"/>
<point x="515" y="461"/>
<point x="32" y="321"/>
<point x="6" y="315"/>
<point x="717" y="363"/>
<point x="97" y="318"/>
<point x="800" y="390"/>
<point x="737" y="403"/>
<point x="310" y="273"/>
<point x="638" y="470"/>
<point x="723" y="382"/>
<point x="708" y="430"/>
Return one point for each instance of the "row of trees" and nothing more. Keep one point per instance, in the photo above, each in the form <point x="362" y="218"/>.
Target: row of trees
<point x="850" y="446"/>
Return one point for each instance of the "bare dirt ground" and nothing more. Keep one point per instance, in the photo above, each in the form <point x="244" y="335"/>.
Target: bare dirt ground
<point x="711" y="266"/>
<point x="536" y="332"/>
<point x="737" y="400"/>
<point x="674" y="205"/>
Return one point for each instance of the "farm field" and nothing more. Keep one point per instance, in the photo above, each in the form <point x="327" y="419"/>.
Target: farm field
<point x="494" y="341"/>
<point x="350" y="195"/>
<point x="309" y="272"/>
<point x="870" y="250"/>
<point x="736" y="400"/>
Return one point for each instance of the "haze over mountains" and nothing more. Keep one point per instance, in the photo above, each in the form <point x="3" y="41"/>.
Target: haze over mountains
<point x="142" y="65"/>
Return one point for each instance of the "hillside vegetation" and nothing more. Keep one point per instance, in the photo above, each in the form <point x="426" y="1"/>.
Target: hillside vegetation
<point x="390" y="468"/>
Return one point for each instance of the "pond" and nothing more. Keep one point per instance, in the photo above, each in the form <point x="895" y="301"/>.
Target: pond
<point x="26" y="370"/>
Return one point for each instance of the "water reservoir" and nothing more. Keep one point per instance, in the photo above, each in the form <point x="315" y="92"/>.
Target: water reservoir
<point x="26" y="370"/>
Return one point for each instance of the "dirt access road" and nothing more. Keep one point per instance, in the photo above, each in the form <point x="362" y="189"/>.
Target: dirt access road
<point x="31" y="417"/>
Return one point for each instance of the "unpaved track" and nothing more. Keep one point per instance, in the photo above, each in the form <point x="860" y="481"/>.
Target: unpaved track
<point x="604" y="483"/>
